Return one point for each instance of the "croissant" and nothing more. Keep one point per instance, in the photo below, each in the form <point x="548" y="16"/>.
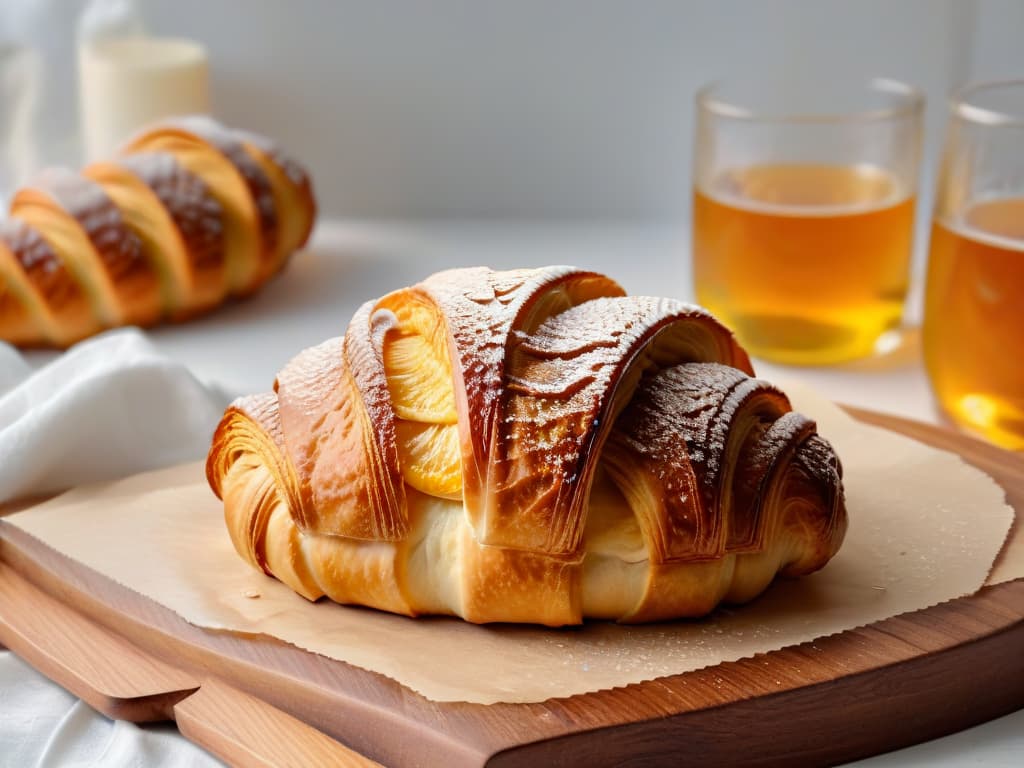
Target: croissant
<point x="527" y="446"/>
<point x="189" y="214"/>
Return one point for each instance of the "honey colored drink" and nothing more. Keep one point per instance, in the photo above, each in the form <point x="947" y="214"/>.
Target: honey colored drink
<point x="974" y="325"/>
<point x="809" y="264"/>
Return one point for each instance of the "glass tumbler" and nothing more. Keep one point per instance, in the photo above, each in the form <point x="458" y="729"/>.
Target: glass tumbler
<point x="803" y="212"/>
<point x="974" y="301"/>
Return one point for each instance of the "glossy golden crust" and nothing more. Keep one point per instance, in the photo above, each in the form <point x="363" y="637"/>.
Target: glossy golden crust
<point x="335" y="410"/>
<point x="190" y="215"/>
<point x="618" y="460"/>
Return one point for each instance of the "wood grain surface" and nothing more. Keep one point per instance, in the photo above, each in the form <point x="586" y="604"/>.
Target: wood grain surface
<point x="253" y="700"/>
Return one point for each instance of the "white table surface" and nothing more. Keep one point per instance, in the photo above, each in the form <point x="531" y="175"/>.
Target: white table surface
<point x="242" y="346"/>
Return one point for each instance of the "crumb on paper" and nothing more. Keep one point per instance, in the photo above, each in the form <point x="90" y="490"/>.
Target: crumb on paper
<point x="251" y="593"/>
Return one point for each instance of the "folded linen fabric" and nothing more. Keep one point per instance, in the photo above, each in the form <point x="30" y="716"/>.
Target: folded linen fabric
<point x="109" y="407"/>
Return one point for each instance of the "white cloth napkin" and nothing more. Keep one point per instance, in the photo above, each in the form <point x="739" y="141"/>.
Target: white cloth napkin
<point x="111" y="406"/>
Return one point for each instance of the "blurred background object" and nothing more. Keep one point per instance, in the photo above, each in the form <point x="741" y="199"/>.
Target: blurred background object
<point x="803" y="212"/>
<point x="19" y="76"/>
<point x="128" y="79"/>
<point x="38" y="114"/>
<point x="189" y="215"/>
<point x="974" y="310"/>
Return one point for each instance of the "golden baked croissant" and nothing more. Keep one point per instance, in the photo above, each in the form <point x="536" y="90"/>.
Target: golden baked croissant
<point x="527" y="446"/>
<point x="190" y="214"/>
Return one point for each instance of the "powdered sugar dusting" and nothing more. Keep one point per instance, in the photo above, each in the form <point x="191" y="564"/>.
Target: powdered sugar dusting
<point x="33" y="252"/>
<point x="228" y="145"/>
<point x="296" y="174"/>
<point x="675" y="430"/>
<point x="561" y="386"/>
<point x="208" y="131"/>
<point x="262" y="409"/>
<point x="196" y="213"/>
<point x="58" y="297"/>
<point x="119" y="248"/>
<point x="739" y="439"/>
<point x="482" y="308"/>
<point x="819" y="463"/>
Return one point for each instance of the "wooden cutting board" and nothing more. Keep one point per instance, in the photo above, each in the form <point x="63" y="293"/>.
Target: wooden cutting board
<point x="252" y="700"/>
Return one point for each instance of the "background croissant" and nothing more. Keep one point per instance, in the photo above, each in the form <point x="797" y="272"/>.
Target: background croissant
<point x="527" y="446"/>
<point x="190" y="214"/>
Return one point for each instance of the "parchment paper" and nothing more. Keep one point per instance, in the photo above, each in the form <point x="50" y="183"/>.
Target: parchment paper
<point x="924" y="528"/>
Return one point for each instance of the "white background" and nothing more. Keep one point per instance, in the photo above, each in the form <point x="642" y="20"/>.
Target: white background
<point x="533" y="108"/>
<point x="523" y="108"/>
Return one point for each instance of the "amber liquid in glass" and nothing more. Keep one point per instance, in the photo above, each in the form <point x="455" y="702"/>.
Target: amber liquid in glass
<point x="808" y="264"/>
<point x="974" y="319"/>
